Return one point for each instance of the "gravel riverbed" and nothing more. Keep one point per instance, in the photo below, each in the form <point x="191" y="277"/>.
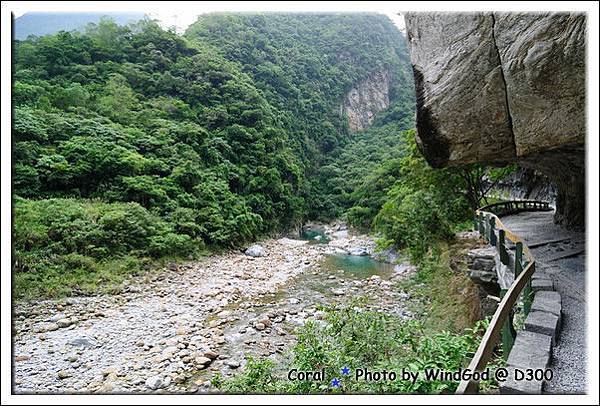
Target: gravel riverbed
<point x="171" y="332"/>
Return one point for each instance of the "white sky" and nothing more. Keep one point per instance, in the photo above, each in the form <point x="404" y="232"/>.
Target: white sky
<point x="182" y="14"/>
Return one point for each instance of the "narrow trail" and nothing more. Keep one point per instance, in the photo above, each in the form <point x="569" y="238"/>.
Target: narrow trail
<point x="172" y="332"/>
<point x="560" y="254"/>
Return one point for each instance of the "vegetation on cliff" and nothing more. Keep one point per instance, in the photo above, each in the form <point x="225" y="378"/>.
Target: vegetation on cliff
<point x="212" y="139"/>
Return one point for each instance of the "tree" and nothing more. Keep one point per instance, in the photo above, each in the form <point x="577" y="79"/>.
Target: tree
<point x="479" y="180"/>
<point x="119" y="101"/>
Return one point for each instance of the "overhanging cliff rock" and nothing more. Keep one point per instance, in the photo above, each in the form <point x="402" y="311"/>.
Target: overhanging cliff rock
<point x="498" y="88"/>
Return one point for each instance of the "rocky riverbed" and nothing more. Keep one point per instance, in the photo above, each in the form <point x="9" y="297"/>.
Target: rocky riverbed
<point x="173" y="330"/>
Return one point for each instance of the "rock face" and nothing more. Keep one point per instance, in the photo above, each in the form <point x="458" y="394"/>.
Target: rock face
<point x="481" y="263"/>
<point x="504" y="87"/>
<point x="367" y="98"/>
<point x="528" y="184"/>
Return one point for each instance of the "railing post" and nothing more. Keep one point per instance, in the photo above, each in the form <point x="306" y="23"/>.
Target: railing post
<point x="481" y="225"/>
<point x="508" y="331"/>
<point x="486" y="234"/>
<point x="492" y="224"/>
<point x="518" y="258"/>
<point x="528" y="294"/>
<point x="502" y="247"/>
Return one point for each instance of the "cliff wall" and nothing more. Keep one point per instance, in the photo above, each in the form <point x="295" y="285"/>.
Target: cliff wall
<point x="504" y="87"/>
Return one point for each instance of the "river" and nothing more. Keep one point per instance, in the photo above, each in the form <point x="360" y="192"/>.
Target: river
<point x="172" y="331"/>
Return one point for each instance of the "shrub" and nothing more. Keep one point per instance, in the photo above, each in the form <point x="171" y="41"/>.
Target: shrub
<point x="72" y="241"/>
<point x="413" y="220"/>
<point x="354" y="337"/>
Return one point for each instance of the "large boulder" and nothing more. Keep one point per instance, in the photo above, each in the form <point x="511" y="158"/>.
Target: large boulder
<point x="461" y="100"/>
<point x="543" y="61"/>
<point x="255" y="250"/>
<point x="481" y="263"/>
<point x="504" y="87"/>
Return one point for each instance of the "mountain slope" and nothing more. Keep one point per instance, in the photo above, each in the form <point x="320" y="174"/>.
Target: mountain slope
<point x="311" y="66"/>
<point x="130" y="141"/>
<point x="39" y="24"/>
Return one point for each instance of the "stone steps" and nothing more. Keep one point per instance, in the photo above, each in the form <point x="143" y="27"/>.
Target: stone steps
<point x="533" y="345"/>
<point x="568" y="254"/>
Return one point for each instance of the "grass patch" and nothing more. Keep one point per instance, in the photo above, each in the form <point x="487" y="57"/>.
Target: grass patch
<point x="444" y="298"/>
<point x="78" y="275"/>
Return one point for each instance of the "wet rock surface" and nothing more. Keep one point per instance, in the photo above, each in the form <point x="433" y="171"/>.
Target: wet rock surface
<point x="172" y="331"/>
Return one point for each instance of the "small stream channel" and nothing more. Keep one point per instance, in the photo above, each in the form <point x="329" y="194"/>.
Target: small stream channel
<point x="337" y="278"/>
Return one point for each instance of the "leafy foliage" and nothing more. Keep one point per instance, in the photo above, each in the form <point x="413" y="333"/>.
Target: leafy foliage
<point x="305" y="64"/>
<point x="385" y="184"/>
<point x="220" y="136"/>
<point x="65" y="246"/>
<point x="359" y="338"/>
<point x="136" y="114"/>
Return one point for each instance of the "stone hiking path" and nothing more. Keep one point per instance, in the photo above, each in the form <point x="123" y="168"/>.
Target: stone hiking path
<point x="171" y="332"/>
<point x="560" y="254"/>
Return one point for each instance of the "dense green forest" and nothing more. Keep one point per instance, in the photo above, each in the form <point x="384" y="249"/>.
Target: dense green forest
<point x="132" y="143"/>
<point x="305" y="64"/>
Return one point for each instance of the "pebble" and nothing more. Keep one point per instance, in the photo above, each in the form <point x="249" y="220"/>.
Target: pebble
<point x="62" y="323"/>
<point x="84" y="342"/>
<point x="110" y="371"/>
<point x="170" y="351"/>
<point x="203" y="360"/>
<point x="233" y="364"/>
<point x="51" y="327"/>
<point x="211" y="354"/>
<point x="154" y="382"/>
